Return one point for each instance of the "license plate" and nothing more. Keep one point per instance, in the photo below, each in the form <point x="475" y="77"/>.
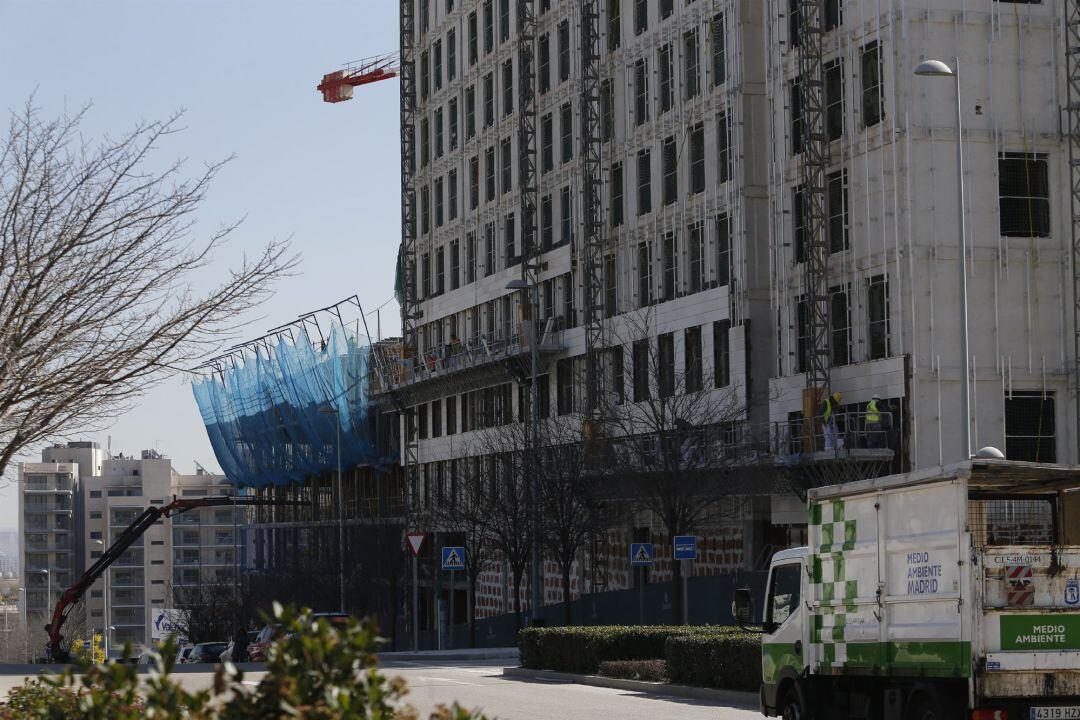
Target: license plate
<point x="1068" y="712"/>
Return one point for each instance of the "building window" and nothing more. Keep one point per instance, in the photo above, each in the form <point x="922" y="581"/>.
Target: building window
<point x="451" y="415"/>
<point x="873" y="97"/>
<point x="666" y="8"/>
<point x="671" y="171"/>
<point x="508" y="87"/>
<point x="802" y="335"/>
<point x="452" y="113"/>
<point x="440" y="274"/>
<point x="425" y="210"/>
<point x="878" y="316"/>
<point x="1030" y="431"/>
<point x="723" y="250"/>
<point x="422" y="420"/>
<point x="796" y="116"/>
<point x="425" y="75"/>
<point x="697" y="159"/>
<point x="644" y="274"/>
<point x="692" y="359"/>
<point x="611" y="288"/>
<point x="641" y="16"/>
<point x="436" y="418"/>
<point x="95" y="494"/>
<point x="834" y="100"/>
<point x="564" y="383"/>
<point x="607" y="111"/>
<point x="840" y="326"/>
<point x="425" y="142"/>
<point x="618" y="374"/>
<point x="641" y="91"/>
<point x="95" y="535"/>
<point x="671" y="266"/>
<point x="504" y="20"/>
<point x="719" y="50"/>
<point x="489" y="256"/>
<point x="470" y="259"/>
<point x="691" y="81"/>
<point x="436" y="52"/>
<point x="721" y="354"/>
<point x="470" y="112"/>
<point x="455" y="264"/>
<point x="547" y="223"/>
<point x="489" y="100"/>
<point x="665" y="365"/>
<point x="640" y="361"/>
<point x="695" y="241"/>
<point x="544" y="50"/>
<point x="507" y="158"/>
<point x="425" y="275"/>
<point x="838" y="212"/>
<point x="489" y="173"/>
<point x="566" y="128"/>
<point x="451" y="54"/>
<point x="547" y="142"/>
<point x="474" y="182"/>
<point x="95" y="515"/>
<point x="439" y="150"/>
<point x="614" y="25"/>
<point x="451" y="194"/>
<point x="568" y="300"/>
<point x="667" y="79"/>
<point x="564" y="51"/>
<point x="510" y="239"/>
<point x="473" y="54"/>
<point x="724" y="168"/>
<point x="439" y="217"/>
<point x="798" y="223"/>
<point x="617" y="191"/>
<point x="833" y="16"/>
<point x="566" y="215"/>
<point x="489" y="28"/>
<point x="644" y="193"/>
<point x="1024" y="192"/>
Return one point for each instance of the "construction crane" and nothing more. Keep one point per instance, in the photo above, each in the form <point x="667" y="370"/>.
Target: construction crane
<point x="55" y="648"/>
<point x="338" y="86"/>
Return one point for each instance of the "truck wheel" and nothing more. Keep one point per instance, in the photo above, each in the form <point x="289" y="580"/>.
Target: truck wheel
<point x="791" y="705"/>
<point x="927" y="708"/>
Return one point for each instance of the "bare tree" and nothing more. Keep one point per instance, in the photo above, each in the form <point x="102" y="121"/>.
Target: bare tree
<point x="97" y="264"/>
<point x="210" y="612"/>
<point x="673" y="437"/>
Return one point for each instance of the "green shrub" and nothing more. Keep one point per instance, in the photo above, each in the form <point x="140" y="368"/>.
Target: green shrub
<point x="317" y="672"/>
<point x="725" y="658"/>
<point x="645" y="670"/>
<point x="582" y="649"/>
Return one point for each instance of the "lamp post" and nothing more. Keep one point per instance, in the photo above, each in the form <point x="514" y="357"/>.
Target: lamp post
<point x="331" y="410"/>
<point x="105" y="620"/>
<point x="25" y="626"/>
<point x="535" y="597"/>
<point x="936" y="68"/>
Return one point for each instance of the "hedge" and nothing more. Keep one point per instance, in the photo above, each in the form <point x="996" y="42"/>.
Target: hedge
<point x="645" y="670"/>
<point x="582" y="649"/>
<point x="728" y="658"/>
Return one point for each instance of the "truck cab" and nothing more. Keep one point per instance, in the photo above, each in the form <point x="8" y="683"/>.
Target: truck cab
<point x="946" y="593"/>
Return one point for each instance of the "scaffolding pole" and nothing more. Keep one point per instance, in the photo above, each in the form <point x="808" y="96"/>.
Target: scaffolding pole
<point x="592" y="207"/>
<point x="1072" y="60"/>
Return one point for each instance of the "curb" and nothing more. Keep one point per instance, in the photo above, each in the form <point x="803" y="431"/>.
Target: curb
<point x="721" y="697"/>
<point x="29" y="670"/>
<point x="450" y="655"/>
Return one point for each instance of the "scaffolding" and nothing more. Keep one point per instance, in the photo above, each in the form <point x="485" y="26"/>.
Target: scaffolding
<point x="1072" y="68"/>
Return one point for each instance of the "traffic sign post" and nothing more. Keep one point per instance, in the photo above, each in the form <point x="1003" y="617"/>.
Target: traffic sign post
<point x="641" y="557"/>
<point x="453" y="559"/>
<point x="415" y="542"/>
<point x="685" y="552"/>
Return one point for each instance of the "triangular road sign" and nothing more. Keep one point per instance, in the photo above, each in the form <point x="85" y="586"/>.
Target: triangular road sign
<point x="453" y="558"/>
<point x="415" y="541"/>
<point x="642" y="555"/>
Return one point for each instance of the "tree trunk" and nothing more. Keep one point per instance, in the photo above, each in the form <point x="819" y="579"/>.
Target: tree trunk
<point x="517" y="573"/>
<point x="677" y="592"/>
<point x="472" y="609"/>
<point x="567" y="614"/>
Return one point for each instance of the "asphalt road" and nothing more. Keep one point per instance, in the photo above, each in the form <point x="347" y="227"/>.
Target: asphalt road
<point x="481" y="685"/>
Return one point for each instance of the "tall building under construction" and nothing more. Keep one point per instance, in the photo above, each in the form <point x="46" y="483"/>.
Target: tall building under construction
<point x="767" y="195"/>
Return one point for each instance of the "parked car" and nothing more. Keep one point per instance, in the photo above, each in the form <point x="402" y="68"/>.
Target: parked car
<point x="183" y="654"/>
<point x="145" y="660"/>
<point x="226" y="654"/>
<point x="206" y="652"/>
<point x="258" y="648"/>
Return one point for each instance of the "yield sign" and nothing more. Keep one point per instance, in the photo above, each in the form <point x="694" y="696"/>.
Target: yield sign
<point x="415" y="541"/>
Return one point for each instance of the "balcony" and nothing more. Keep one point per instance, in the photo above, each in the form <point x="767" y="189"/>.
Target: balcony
<point x="476" y="358"/>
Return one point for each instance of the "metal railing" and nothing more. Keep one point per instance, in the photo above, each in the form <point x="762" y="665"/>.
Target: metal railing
<point x="850" y="430"/>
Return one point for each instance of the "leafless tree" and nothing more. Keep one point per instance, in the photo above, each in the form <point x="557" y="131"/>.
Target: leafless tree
<point x="672" y="436"/>
<point x="97" y="264"/>
<point x="210" y="612"/>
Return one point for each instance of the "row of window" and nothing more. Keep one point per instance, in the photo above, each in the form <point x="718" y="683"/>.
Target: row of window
<point x="877" y="335"/>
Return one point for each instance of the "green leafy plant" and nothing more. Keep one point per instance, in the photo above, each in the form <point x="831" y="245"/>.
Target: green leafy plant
<point x="316" y="671"/>
<point x="729" y="658"/>
<point x="645" y="670"/>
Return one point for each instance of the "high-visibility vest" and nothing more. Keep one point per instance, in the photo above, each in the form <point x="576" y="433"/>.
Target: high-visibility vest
<point x="872" y="415"/>
<point x="827" y="413"/>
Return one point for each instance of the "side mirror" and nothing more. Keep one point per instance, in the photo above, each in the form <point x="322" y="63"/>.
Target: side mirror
<point x="742" y="606"/>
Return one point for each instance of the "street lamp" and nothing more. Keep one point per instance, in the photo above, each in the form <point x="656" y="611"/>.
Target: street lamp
<point x="331" y="410"/>
<point x="936" y="68"/>
<point x="105" y="620"/>
<point x="534" y="486"/>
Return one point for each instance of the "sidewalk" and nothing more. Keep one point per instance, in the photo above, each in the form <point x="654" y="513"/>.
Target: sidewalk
<point x="736" y="698"/>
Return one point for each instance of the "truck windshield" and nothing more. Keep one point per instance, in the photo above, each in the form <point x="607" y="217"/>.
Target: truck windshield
<point x="783" y="593"/>
<point x="1018" y="520"/>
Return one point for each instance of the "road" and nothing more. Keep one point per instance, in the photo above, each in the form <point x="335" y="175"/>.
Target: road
<point x="481" y="685"/>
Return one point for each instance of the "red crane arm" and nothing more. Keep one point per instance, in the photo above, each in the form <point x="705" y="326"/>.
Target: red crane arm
<point x="337" y="86"/>
<point x="133" y="532"/>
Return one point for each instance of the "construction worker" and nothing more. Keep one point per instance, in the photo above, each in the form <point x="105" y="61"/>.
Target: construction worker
<point x="872" y="422"/>
<point x="829" y="410"/>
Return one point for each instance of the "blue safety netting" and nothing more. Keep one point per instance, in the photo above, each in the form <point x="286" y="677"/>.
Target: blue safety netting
<point x="262" y="410"/>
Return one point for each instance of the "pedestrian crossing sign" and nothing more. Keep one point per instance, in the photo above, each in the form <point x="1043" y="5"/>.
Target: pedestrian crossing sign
<point x="641" y="554"/>
<point x="453" y="558"/>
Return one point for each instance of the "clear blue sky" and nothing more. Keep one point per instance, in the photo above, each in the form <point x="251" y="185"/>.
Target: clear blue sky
<point x="245" y="71"/>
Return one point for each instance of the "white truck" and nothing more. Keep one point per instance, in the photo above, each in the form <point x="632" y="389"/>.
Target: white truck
<point x="952" y="593"/>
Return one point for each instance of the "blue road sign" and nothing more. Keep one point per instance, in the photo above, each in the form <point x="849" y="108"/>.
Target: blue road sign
<point x="641" y="553"/>
<point x="453" y="558"/>
<point x="685" y="547"/>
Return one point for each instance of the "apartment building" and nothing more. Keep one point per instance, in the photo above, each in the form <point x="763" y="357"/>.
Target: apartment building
<point x="891" y="198"/>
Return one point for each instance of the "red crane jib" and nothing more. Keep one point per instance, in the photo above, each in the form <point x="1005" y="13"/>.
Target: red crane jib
<point x="73" y="594"/>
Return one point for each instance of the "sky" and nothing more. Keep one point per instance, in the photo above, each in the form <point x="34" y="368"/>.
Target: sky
<point x="244" y="72"/>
